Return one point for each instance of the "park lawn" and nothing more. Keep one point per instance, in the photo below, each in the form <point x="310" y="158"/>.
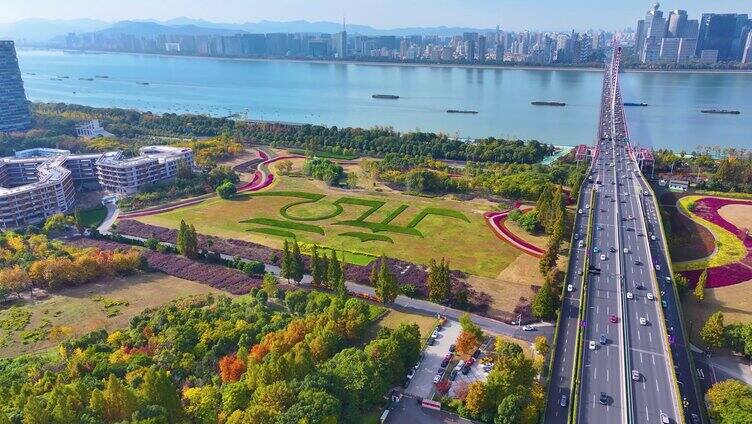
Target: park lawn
<point x="395" y="317"/>
<point x="91" y="218"/>
<point x="75" y="311"/>
<point x="739" y="215"/>
<point x="470" y="246"/>
<point x="734" y="301"/>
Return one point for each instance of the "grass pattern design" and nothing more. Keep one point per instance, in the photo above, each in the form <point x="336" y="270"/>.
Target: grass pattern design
<point x="437" y="211"/>
<point x="364" y="237"/>
<point x="394" y="214"/>
<point x="378" y="227"/>
<point x="285" y="224"/>
<point x="272" y="232"/>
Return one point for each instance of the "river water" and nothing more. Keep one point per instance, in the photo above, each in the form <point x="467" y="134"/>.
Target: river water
<point x="340" y="94"/>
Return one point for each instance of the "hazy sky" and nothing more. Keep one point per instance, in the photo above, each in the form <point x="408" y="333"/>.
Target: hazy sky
<point x="511" y="14"/>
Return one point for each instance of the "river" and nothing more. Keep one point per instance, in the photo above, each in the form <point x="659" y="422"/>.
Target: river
<point x="340" y="94"/>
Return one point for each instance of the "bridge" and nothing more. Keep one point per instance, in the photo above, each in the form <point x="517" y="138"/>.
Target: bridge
<point x="621" y="354"/>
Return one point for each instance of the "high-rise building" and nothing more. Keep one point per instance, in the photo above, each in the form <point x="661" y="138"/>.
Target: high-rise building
<point x="717" y="33"/>
<point x="677" y="20"/>
<point x="747" y="55"/>
<point x="340" y="42"/>
<point x="14" y="108"/>
<point x="654" y="29"/>
<point x="482" y="48"/>
<point x="670" y="50"/>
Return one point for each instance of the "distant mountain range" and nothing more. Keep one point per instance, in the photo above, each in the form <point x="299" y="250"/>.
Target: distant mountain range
<point x="42" y="31"/>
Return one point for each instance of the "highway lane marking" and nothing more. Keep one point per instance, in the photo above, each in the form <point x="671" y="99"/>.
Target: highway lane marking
<point x="657" y="386"/>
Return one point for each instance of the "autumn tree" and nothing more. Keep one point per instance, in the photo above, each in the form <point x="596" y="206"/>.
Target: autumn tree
<point x="231" y="368"/>
<point x="476" y="401"/>
<point x="700" y="287"/>
<point x="14" y="280"/>
<point x="467" y="343"/>
<point x="713" y="330"/>
<point x="541" y="345"/>
<point x="730" y="401"/>
<point x="285" y="167"/>
<point x="115" y="403"/>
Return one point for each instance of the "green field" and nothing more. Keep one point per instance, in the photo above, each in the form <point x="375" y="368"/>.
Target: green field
<point x="369" y="223"/>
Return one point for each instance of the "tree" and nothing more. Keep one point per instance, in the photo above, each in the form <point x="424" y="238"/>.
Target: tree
<point x="352" y="180"/>
<point x="373" y="277"/>
<point x="317" y="271"/>
<point x="467" y="325"/>
<point x="467" y="343"/>
<point x="158" y="389"/>
<point x="387" y="288"/>
<point x="549" y="258"/>
<point x="226" y="190"/>
<point x="510" y="410"/>
<point x="682" y="284"/>
<point x="269" y="285"/>
<point x="187" y="240"/>
<point x="336" y="275"/>
<point x="544" y="302"/>
<point x="730" y="401"/>
<point x="14" y="280"/>
<point x="286" y="265"/>
<point x="713" y="330"/>
<point x="231" y="368"/>
<point x="476" y="401"/>
<point x="115" y="403"/>
<point x="34" y="412"/>
<point x="439" y="281"/>
<point x="297" y="269"/>
<point x="57" y="223"/>
<point x="541" y="345"/>
<point x="700" y="287"/>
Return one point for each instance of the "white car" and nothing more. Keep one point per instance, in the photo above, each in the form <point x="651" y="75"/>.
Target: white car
<point x="603" y="257"/>
<point x="591" y="346"/>
<point x="436" y="379"/>
<point x="635" y="375"/>
<point x="570" y="288"/>
<point x="626" y="250"/>
<point x="630" y="295"/>
<point x="652" y="237"/>
<point x="650" y="296"/>
<point x="643" y="321"/>
<point x="411" y="374"/>
<point x="579" y="211"/>
<point x="657" y="267"/>
<point x="528" y="328"/>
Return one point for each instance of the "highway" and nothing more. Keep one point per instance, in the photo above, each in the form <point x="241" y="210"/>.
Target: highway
<point x="628" y="348"/>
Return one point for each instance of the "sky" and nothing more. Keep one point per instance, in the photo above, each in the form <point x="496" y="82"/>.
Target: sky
<point x="509" y="14"/>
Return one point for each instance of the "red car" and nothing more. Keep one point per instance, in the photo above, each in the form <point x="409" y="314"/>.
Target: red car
<point x="613" y="318"/>
<point x="470" y="361"/>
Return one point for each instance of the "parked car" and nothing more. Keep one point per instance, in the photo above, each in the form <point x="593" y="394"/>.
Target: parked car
<point x="470" y="361"/>
<point x="436" y="379"/>
<point x="453" y="375"/>
<point x="447" y="358"/>
<point x="528" y="328"/>
<point x="431" y="341"/>
<point x="476" y="354"/>
<point x="411" y="374"/>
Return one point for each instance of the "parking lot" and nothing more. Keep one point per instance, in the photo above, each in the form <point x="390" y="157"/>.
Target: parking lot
<point x="422" y="383"/>
<point x="463" y="381"/>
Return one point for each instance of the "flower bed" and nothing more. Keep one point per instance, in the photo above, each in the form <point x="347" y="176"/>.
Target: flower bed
<point x="732" y="263"/>
<point x="217" y="276"/>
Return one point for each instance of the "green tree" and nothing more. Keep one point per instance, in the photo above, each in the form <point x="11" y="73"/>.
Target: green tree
<point x="57" y="223"/>
<point x="373" y="277"/>
<point x="286" y="265"/>
<point x="297" y="270"/>
<point x="467" y="325"/>
<point x="317" y="271"/>
<point x="335" y="275"/>
<point x="439" y="281"/>
<point x="700" y="287"/>
<point x="226" y="190"/>
<point x="682" y="284"/>
<point x="510" y="410"/>
<point x="387" y="288"/>
<point x="730" y="402"/>
<point x="34" y="412"/>
<point x="269" y="285"/>
<point x="187" y="240"/>
<point x="544" y="302"/>
<point x="158" y="389"/>
<point x="118" y="401"/>
<point x="713" y="330"/>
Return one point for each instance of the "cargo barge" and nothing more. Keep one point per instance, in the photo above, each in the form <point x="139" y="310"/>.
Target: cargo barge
<point x="548" y="103"/>
<point x="385" y="96"/>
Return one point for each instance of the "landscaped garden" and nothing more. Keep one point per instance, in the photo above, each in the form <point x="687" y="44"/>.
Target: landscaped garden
<point x="363" y="224"/>
<point x="731" y="263"/>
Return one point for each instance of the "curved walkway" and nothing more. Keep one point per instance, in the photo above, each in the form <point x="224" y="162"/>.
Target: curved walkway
<point x="495" y="220"/>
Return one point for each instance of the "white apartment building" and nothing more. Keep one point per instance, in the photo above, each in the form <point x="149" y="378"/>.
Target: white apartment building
<point x="154" y="164"/>
<point x="38" y="183"/>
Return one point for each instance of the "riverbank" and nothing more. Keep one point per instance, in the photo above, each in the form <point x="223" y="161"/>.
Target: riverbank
<point x="409" y="64"/>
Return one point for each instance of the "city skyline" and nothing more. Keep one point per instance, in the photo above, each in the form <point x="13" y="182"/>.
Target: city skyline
<point x="511" y="15"/>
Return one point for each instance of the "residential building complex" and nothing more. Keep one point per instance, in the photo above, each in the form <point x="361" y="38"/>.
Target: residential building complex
<point x="38" y="183"/>
<point x="14" y="108"/>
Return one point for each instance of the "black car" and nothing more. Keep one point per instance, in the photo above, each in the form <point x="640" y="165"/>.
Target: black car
<point x="465" y="369"/>
<point x="452" y="348"/>
<point x="603" y="399"/>
<point x="453" y="375"/>
<point x="445" y="362"/>
<point x="476" y="354"/>
<point x="638" y="262"/>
